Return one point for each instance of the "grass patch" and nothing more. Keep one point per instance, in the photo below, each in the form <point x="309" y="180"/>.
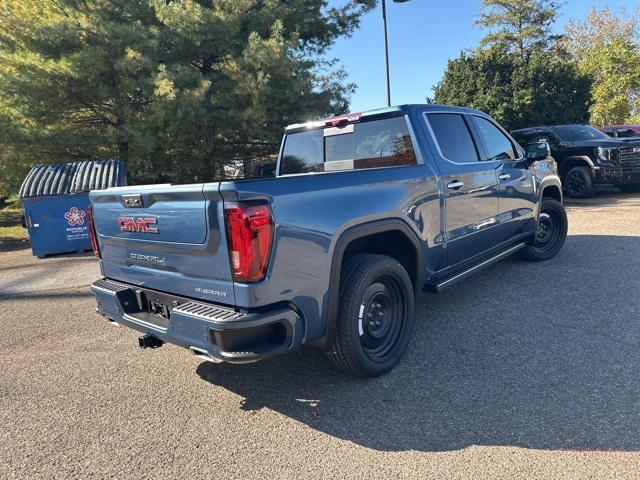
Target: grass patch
<point x="10" y="229"/>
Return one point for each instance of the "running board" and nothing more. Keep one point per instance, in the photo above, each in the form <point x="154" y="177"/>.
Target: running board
<point x="458" y="277"/>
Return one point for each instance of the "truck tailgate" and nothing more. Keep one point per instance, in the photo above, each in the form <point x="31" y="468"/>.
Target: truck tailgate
<point x="165" y="237"/>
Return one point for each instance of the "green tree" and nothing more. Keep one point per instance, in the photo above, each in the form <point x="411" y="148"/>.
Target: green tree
<point x="542" y="90"/>
<point x="607" y="47"/>
<point x="177" y="88"/>
<point x="516" y="74"/>
<point x="519" y="26"/>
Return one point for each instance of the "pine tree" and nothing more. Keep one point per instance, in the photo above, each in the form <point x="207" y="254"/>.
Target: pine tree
<point x="520" y="26"/>
<point x="178" y="88"/>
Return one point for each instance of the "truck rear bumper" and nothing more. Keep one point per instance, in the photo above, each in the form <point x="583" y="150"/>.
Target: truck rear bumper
<point x="212" y="332"/>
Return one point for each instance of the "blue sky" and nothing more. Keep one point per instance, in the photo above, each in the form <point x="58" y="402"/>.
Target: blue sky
<point x="423" y="35"/>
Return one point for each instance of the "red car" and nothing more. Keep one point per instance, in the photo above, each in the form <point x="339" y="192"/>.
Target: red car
<point x="623" y="132"/>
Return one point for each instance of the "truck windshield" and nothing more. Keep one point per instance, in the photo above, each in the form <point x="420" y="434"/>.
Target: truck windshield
<point x="373" y="144"/>
<point x="579" y="133"/>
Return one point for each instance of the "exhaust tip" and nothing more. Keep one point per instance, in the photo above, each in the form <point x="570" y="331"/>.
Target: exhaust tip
<point x="204" y="355"/>
<point x="149" y="341"/>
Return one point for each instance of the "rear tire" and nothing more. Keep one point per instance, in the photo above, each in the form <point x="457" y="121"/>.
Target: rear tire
<point x="578" y="182"/>
<point x="375" y="316"/>
<point x="551" y="232"/>
<point x="630" y="187"/>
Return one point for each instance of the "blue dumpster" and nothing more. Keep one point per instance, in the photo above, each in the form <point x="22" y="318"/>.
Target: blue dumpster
<point x="55" y="200"/>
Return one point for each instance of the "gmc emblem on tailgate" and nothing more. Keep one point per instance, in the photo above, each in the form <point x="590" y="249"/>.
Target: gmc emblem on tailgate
<point x="138" y="224"/>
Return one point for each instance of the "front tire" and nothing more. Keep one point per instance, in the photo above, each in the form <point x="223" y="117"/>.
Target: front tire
<point x="375" y="316"/>
<point x="551" y="232"/>
<point x="578" y="182"/>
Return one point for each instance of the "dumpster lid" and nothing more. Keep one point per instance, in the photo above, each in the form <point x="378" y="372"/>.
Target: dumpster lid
<point x="66" y="178"/>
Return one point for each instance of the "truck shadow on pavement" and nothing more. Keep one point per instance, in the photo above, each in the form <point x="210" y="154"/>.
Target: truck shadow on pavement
<point x="542" y="356"/>
<point x="606" y="198"/>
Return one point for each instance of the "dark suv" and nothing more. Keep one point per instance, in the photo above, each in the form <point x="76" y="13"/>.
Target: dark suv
<point x="587" y="157"/>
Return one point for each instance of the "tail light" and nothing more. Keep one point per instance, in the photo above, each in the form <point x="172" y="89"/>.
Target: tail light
<point x="249" y="234"/>
<point x="92" y="233"/>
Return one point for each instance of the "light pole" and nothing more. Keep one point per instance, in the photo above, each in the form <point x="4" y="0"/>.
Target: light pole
<point x="386" y="46"/>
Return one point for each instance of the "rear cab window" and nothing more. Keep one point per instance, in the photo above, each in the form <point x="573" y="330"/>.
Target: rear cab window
<point x="302" y="153"/>
<point x="383" y="142"/>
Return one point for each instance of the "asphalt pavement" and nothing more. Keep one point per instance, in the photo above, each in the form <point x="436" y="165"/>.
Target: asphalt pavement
<point x="522" y="371"/>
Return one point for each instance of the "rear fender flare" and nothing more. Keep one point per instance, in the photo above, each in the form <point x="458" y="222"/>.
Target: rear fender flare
<point x="340" y="246"/>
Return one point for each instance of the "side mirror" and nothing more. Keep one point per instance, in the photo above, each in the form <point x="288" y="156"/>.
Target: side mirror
<point x="537" y="151"/>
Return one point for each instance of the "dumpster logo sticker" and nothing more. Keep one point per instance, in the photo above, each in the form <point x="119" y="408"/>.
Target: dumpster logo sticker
<point x="76" y="227"/>
<point x="75" y="217"/>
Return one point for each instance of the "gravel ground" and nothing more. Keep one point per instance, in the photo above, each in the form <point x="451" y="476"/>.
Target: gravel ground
<point x="523" y="371"/>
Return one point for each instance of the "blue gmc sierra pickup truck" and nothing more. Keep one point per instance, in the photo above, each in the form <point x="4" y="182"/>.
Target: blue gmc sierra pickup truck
<point x="365" y="210"/>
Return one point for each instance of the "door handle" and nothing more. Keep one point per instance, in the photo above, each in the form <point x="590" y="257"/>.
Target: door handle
<point x="486" y="223"/>
<point x="504" y="176"/>
<point x="455" y="185"/>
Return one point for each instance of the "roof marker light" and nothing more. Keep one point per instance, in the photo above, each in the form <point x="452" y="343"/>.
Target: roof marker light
<point x="342" y="120"/>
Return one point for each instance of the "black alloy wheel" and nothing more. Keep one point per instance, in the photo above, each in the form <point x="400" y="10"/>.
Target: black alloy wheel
<point x="578" y="182"/>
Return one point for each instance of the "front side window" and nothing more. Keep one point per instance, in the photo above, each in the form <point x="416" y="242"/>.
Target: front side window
<point x="453" y="137"/>
<point x="498" y="145"/>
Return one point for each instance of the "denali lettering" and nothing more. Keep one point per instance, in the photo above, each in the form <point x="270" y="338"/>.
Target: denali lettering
<point x="148" y="258"/>
<point x="139" y="224"/>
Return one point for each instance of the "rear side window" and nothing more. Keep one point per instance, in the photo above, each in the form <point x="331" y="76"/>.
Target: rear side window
<point x="498" y="145"/>
<point x="453" y="137"/>
<point x="372" y="144"/>
<point x="302" y="153"/>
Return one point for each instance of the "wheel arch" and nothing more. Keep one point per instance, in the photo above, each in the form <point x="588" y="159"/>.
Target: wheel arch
<point x="551" y="187"/>
<point x="358" y="235"/>
<point x="574" y="161"/>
